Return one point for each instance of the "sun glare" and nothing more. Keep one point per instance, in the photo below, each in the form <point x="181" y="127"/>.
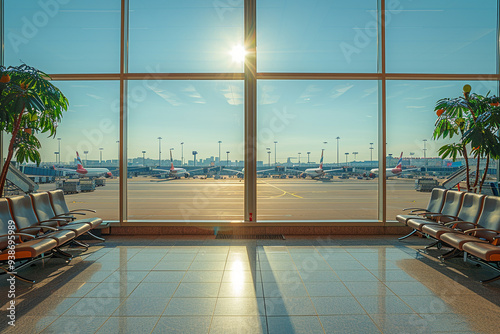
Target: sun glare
<point x="238" y="53"/>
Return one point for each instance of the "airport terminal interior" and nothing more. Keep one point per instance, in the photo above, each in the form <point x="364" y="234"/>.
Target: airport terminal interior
<point x="243" y="166"/>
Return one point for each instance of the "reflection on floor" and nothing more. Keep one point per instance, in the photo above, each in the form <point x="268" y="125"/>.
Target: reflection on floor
<point x="202" y="285"/>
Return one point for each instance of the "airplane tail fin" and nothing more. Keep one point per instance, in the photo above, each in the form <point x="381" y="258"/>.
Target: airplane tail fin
<point x="171" y="161"/>
<point x="400" y="161"/>
<point x="79" y="162"/>
<point x="321" y="160"/>
<point x="79" y="165"/>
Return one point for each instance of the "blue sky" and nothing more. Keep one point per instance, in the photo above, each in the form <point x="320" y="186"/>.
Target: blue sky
<point x="292" y="36"/>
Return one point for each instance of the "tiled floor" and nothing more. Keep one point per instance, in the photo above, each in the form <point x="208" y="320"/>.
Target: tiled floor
<point x="202" y="285"/>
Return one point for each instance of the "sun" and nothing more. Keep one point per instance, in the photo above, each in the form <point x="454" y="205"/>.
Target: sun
<point x="238" y="53"/>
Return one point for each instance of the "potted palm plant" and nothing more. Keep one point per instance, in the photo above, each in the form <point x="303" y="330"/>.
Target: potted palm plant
<point x="475" y="121"/>
<point x="29" y="104"/>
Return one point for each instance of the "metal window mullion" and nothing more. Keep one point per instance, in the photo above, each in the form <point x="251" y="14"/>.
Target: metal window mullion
<point x="382" y="138"/>
<point x="124" y="28"/>
<point x="250" y="140"/>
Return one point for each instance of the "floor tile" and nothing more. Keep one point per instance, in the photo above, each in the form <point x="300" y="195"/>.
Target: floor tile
<point x="187" y="324"/>
<point x="128" y="325"/>
<point x="79" y="325"/>
<point x="208" y="276"/>
<point x="237" y="289"/>
<point x="342" y="324"/>
<point x="190" y="306"/>
<point x="136" y="307"/>
<point x="27" y="325"/>
<point x="154" y="290"/>
<point x="239" y="306"/>
<point x="209" y="290"/>
<point x="368" y="289"/>
<point x="164" y="276"/>
<point x="384" y="304"/>
<point x="94" y="307"/>
<point x="337" y="305"/>
<point x="126" y="276"/>
<point x="289" y="306"/>
<point x="238" y="324"/>
<point x="294" y="324"/>
<point x="112" y="290"/>
<point x="327" y="289"/>
<point x="284" y="290"/>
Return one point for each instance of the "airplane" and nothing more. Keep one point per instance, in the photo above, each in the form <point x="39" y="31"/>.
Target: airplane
<point x="318" y="172"/>
<point x="87" y="172"/>
<point x="173" y="172"/>
<point x="392" y="171"/>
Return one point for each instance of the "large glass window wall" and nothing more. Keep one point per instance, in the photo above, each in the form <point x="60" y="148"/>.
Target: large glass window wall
<point x="332" y="86"/>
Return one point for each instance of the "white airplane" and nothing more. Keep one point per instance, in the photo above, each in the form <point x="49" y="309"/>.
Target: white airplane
<point x="393" y="171"/>
<point x="318" y="172"/>
<point x="173" y="172"/>
<point x="87" y="172"/>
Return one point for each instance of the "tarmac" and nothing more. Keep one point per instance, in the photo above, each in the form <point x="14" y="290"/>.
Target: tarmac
<point x="222" y="199"/>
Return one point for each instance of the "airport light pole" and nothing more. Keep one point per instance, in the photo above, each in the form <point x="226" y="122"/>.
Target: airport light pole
<point x="268" y="156"/>
<point x="275" y="142"/>
<point x="56" y="153"/>
<point x="299" y="157"/>
<point x="59" y="149"/>
<point x="308" y="154"/>
<point x="159" y="151"/>
<point x="144" y="158"/>
<point x="371" y="153"/>
<point x="172" y="159"/>
<point x="182" y="153"/>
<point x="227" y="158"/>
<point x="194" y="160"/>
<point x="220" y="141"/>
<point x="346" y="155"/>
<point x="338" y="138"/>
<point x="355" y="154"/>
<point x="101" y="149"/>
<point x="425" y="153"/>
<point x="86" y="157"/>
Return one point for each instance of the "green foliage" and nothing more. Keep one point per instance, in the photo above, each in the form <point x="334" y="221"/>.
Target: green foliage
<point x="29" y="92"/>
<point x="475" y="119"/>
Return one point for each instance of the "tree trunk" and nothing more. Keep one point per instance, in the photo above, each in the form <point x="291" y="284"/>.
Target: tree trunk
<point x="485" y="172"/>
<point x="5" y="169"/>
<point x="477" y="170"/>
<point x="467" y="167"/>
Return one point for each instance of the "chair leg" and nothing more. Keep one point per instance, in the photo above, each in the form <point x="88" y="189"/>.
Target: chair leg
<point x="15" y="275"/>
<point x="437" y="243"/>
<point x="408" y="235"/>
<point x="61" y="254"/>
<point x="449" y="254"/>
<point x="81" y="244"/>
<point x="95" y="236"/>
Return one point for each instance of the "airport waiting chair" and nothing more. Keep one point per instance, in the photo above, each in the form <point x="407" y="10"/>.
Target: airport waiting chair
<point x="489" y="221"/>
<point x="435" y="204"/>
<point x="469" y="213"/>
<point x="27" y="222"/>
<point x="27" y="250"/>
<point x="451" y="207"/>
<point x="44" y="211"/>
<point x="61" y="209"/>
<point x="487" y="254"/>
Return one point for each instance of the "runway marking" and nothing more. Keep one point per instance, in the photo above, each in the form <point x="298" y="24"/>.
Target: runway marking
<point x="284" y="191"/>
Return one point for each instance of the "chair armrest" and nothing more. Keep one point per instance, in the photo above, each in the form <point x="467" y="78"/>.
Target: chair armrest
<point x="415" y="209"/>
<point x="19" y="235"/>
<point x="76" y="210"/>
<point x="39" y="227"/>
<point x="480" y="229"/>
<point x="463" y="225"/>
